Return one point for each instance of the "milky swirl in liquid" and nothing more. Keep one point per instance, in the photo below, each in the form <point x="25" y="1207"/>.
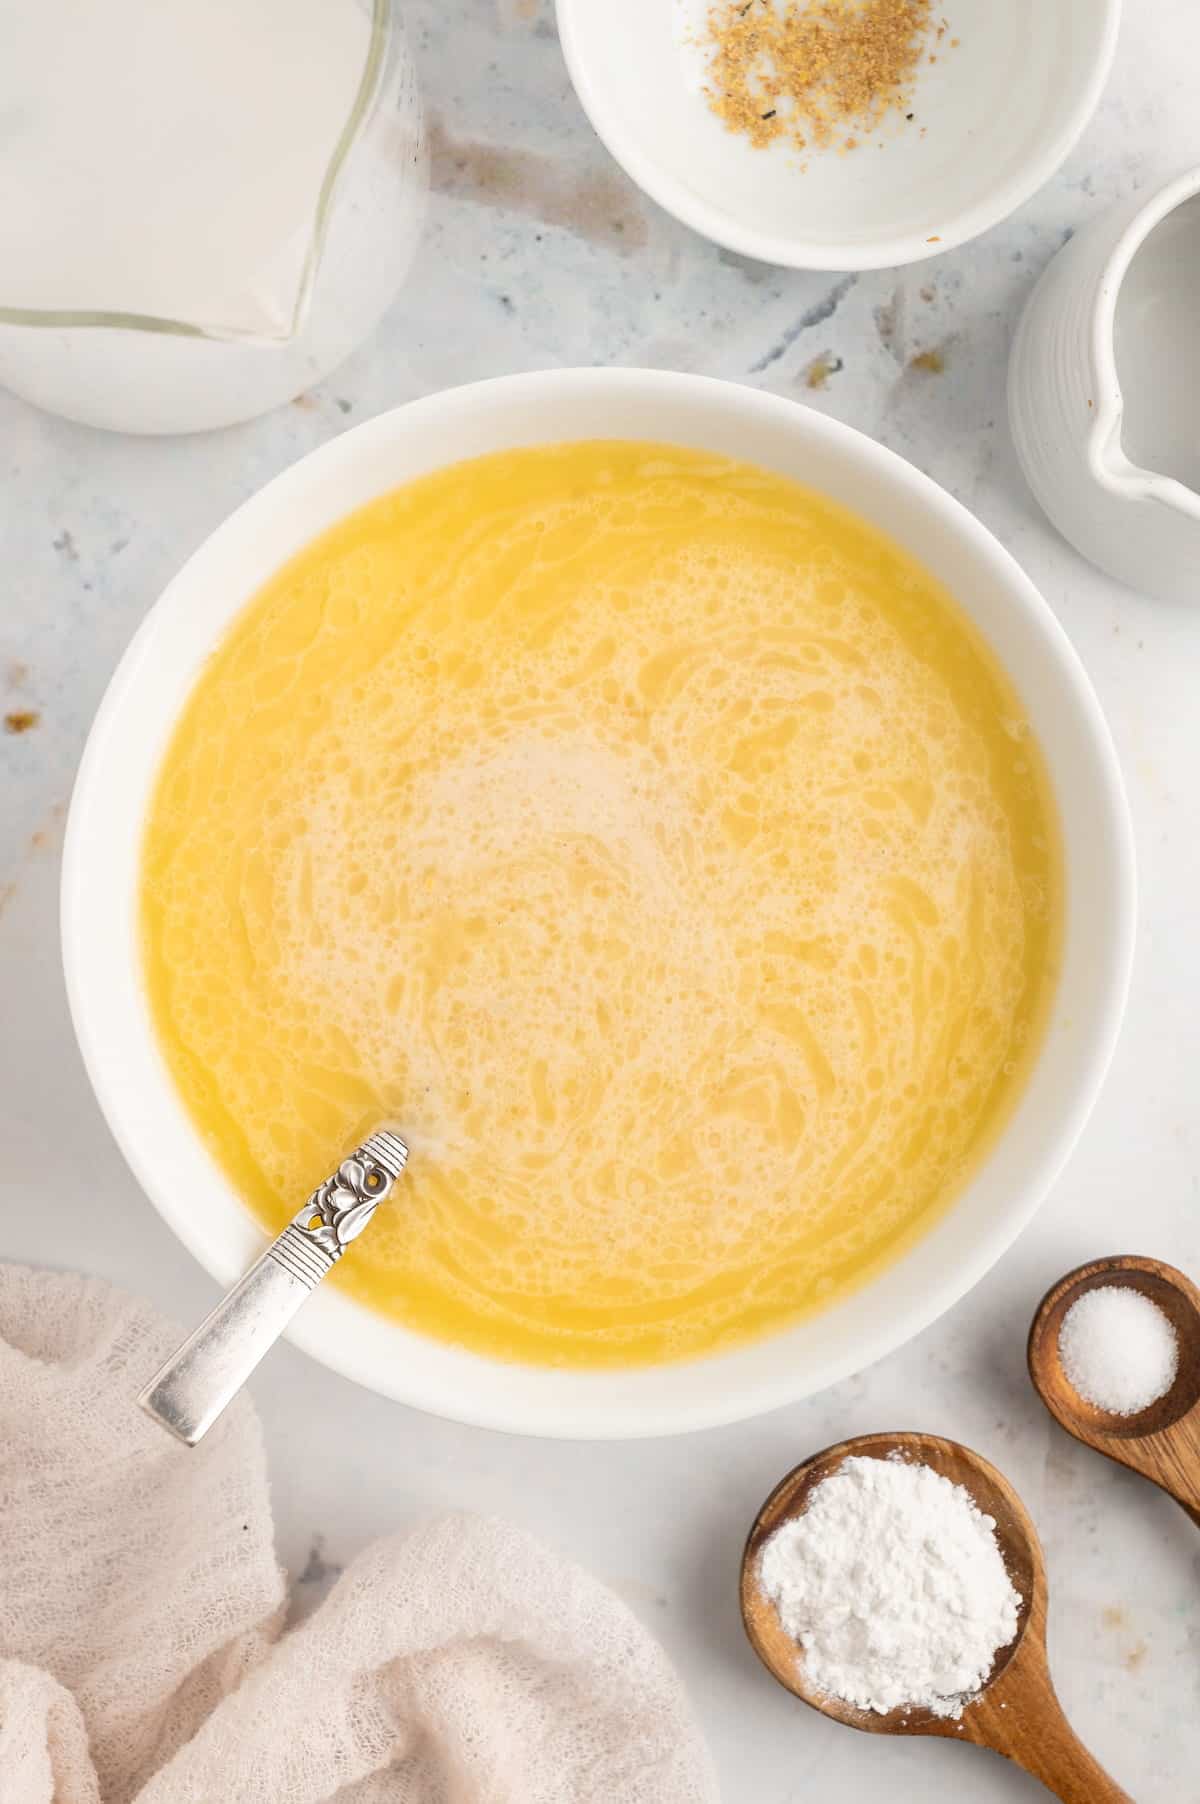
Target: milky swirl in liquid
<point x="657" y="845"/>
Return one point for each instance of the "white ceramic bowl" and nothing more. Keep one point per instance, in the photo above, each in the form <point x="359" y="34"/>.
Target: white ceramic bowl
<point x="994" y="118"/>
<point x="1102" y="385"/>
<point x="100" y="888"/>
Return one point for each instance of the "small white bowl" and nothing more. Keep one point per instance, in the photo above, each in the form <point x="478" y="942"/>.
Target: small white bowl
<point x="994" y="118"/>
<point x="101" y="861"/>
<point x="1102" y="386"/>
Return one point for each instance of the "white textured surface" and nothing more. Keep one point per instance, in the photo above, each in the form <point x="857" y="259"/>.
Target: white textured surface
<point x="145" y="1640"/>
<point x="542" y="254"/>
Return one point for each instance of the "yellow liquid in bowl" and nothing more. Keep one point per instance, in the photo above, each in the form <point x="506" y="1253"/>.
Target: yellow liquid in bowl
<point x="658" y="845"/>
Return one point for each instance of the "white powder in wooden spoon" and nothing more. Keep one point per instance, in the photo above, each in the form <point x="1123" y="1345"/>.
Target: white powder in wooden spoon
<point x="893" y="1585"/>
<point x="1118" y="1349"/>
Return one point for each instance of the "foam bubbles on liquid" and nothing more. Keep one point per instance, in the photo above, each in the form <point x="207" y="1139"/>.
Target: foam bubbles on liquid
<point x="647" y="847"/>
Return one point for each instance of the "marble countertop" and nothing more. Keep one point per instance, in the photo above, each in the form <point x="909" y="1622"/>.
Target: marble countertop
<point x="539" y="252"/>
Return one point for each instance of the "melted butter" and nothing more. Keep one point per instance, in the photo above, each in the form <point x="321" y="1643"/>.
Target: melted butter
<point x="658" y="845"/>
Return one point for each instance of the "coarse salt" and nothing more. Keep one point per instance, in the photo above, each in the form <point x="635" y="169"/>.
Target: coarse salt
<point x="1118" y="1350"/>
<point x="892" y="1584"/>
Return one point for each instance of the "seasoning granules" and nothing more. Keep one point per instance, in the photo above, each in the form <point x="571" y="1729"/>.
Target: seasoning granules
<point x="807" y="70"/>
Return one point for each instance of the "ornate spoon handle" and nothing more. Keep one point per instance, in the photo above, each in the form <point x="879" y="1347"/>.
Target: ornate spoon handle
<point x="206" y="1373"/>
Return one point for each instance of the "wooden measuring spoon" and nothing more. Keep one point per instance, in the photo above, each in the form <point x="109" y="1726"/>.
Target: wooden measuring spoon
<point x="1017" y="1713"/>
<point x="1162" y="1442"/>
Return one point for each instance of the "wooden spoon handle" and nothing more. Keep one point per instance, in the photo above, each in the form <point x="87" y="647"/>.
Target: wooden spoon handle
<point x="1019" y="1715"/>
<point x="1057" y="1757"/>
<point x="1170" y="1459"/>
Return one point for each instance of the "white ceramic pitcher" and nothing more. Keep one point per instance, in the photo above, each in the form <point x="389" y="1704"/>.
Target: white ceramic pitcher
<point x="1104" y="391"/>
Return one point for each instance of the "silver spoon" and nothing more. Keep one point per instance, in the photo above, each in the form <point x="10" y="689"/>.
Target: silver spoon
<point x="204" y="1375"/>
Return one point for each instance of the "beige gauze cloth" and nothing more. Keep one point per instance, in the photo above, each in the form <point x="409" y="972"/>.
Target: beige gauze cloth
<point x="142" y="1654"/>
